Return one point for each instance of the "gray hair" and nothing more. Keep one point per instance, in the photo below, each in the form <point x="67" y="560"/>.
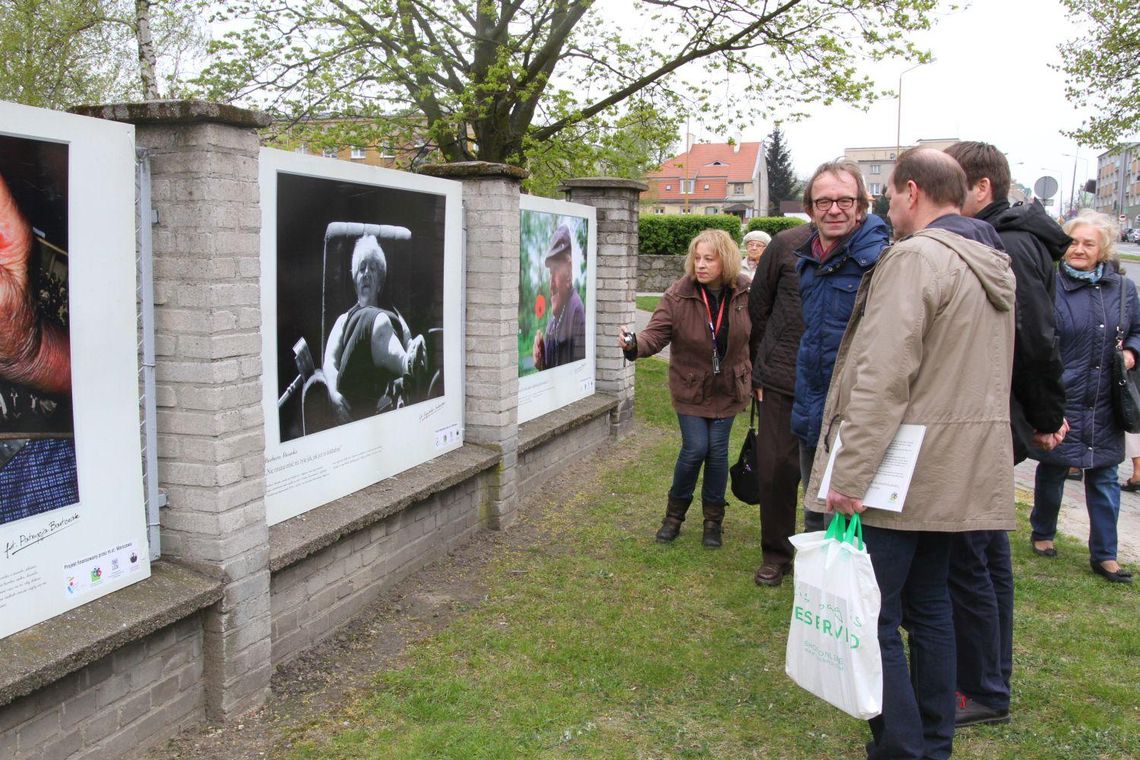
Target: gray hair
<point x="1106" y="229"/>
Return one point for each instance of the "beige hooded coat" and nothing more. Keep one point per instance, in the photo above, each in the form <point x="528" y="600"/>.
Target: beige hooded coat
<point x="930" y="342"/>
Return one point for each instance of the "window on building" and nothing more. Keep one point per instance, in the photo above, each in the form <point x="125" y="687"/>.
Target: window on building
<point x="357" y="153"/>
<point x="876" y="169"/>
<point x="706" y="186"/>
<point x="668" y="187"/>
<point x="875" y="188"/>
<point x="659" y="210"/>
<point x="329" y="152"/>
<point x="738" y="188"/>
<point x="685" y="210"/>
<point x="688" y="186"/>
<point x="711" y="209"/>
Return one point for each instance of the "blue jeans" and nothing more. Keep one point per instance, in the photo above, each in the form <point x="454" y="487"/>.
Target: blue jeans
<point x="1102" y="498"/>
<point x="981" y="588"/>
<point x="911" y="568"/>
<point x="704" y="440"/>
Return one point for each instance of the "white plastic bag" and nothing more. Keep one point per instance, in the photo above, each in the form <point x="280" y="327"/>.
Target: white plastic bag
<point x="833" y="643"/>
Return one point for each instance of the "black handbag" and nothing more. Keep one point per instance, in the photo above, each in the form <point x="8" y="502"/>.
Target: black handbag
<point x="1125" y="395"/>
<point x="745" y="484"/>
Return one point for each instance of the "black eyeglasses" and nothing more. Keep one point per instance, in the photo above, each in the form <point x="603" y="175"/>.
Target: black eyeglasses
<point x="824" y="204"/>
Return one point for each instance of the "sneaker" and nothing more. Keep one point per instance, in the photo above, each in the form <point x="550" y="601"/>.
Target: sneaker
<point x="971" y="713"/>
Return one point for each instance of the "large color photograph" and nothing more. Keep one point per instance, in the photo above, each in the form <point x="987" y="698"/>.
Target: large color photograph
<point x="360" y="301"/>
<point x="37" y="446"/>
<point x="557" y="245"/>
<point x="72" y="510"/>
<point x="552" y="290"/>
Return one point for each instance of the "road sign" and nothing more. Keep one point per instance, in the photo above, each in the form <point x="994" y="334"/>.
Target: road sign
<point x="1045" y="187"/>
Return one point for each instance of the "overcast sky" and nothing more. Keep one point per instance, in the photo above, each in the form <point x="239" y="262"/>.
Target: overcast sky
<point x="990" y="80"/>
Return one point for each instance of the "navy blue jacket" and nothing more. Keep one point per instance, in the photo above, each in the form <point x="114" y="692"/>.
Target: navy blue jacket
<point x="827" y="296"/>
<point x="1086" y="318"/>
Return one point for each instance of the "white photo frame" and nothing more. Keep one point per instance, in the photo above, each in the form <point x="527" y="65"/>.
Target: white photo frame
<point x="59" y="559"/>
<point x="552" y="387"/>
<point x="315" y="212"/>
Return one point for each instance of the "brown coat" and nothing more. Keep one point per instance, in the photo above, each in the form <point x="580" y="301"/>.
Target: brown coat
<point x="680" y="322"/>
<point x="931" y="343"/>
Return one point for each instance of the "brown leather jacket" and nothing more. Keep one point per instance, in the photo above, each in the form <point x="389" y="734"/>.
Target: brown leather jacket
<point x="680" y="321"/>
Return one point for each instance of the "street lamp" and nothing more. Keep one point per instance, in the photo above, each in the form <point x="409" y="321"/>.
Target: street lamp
<point x="898" y="125"/>
<point x="1073" y="181"/>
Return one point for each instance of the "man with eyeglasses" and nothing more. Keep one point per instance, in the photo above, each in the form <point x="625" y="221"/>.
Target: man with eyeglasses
<point x="844" y="246"/>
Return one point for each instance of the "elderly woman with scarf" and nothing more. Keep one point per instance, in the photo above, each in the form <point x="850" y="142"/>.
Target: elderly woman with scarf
<point x="1088" y="315"/>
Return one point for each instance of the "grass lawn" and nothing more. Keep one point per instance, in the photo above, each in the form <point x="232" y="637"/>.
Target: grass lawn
<point x="596" y="642"/>
<point x="647" y="303"/>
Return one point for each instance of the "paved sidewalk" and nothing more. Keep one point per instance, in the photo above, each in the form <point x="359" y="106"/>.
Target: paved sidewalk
<point x="1074" y="518"/>
<point x="639" y="324"/>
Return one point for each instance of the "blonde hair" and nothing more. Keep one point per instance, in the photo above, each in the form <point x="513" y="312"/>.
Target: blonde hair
<point x="1106" y="229"/>
<point x="724" y="246"/>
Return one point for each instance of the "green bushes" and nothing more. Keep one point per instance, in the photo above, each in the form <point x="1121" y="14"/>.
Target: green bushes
<point x="669" y="234"/>
<point x="773" y="224"/>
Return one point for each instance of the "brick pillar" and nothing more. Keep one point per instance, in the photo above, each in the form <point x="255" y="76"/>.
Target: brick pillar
<point x="204" y="164"/>
<point x="491" y="401"/>
<point x="616" y="201"/>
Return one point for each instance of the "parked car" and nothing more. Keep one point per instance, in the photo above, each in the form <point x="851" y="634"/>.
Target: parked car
<point x="1126" y="234"/>
<point x="1134" y="236"/>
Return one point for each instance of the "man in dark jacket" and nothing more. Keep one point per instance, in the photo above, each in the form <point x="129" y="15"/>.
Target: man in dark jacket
<point x="846" y="244"/>
<point x="981" y="572"/>
<point x="774" y="306"/>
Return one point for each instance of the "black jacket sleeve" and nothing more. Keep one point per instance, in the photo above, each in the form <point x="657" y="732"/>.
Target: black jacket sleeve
<point x="760" y="306"/>
<point x="1037" y="387"/>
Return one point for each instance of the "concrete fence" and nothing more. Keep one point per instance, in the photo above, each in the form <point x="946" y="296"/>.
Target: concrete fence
<point x="233" y="597"/>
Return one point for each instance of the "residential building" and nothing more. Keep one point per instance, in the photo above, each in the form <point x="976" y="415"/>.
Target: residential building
<point x="366" y="141"/>
<point x="1118" y="184"/>
<point x="878" y="163"/>
<point x="710" y="178"/>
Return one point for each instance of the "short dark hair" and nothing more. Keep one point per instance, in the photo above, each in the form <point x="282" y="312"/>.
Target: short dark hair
<point x="937" y="174"/>
<point x="979" y="159"/>
<point x="840" y="166"/>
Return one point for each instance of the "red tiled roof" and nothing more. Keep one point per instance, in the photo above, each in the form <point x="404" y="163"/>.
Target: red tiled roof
<point x="701" y="159"/>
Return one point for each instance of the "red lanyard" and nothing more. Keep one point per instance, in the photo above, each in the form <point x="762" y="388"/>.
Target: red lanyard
<point x="719" y="314"/>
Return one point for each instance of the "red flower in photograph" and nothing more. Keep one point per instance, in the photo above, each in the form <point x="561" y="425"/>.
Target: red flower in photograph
<point x="539" y="305"/>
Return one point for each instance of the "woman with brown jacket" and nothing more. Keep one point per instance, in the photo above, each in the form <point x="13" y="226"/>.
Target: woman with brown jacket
<point x="703" y="316"/>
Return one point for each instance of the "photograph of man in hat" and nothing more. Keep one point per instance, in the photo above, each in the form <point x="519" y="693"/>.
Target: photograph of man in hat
<point x="564" y="339"/>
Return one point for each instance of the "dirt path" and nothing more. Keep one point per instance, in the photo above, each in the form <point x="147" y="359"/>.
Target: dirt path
<point x="326" y="678"/>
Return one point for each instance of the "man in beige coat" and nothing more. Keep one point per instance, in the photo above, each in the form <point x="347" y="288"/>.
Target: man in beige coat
<point x="930" y="343"/>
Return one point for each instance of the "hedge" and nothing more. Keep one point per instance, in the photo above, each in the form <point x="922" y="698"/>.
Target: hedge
<point x="669" y="234"/>
<point x="773" y="224"/>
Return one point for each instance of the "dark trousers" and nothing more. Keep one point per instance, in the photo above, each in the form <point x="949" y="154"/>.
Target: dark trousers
<point x="812" y="520"/>
<point x="911" y="568"/>
<point x="981" y="589"/>
<point x="778" y="473"/>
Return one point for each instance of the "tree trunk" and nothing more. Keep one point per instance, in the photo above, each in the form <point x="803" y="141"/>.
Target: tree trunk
<point x="146" y="50"/>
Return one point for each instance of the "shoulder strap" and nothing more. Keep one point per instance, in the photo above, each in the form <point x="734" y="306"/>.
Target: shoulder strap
<point x="1125" y="283"/>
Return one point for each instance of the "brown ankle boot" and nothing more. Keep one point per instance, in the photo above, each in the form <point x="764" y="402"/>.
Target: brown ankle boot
<point x="674" y="516"/>
<point x="714" y="516"/>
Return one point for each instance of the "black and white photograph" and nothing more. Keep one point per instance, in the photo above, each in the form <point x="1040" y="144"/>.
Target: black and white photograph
<point x="362" y="326"/>
<point x="361" y="270"/>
